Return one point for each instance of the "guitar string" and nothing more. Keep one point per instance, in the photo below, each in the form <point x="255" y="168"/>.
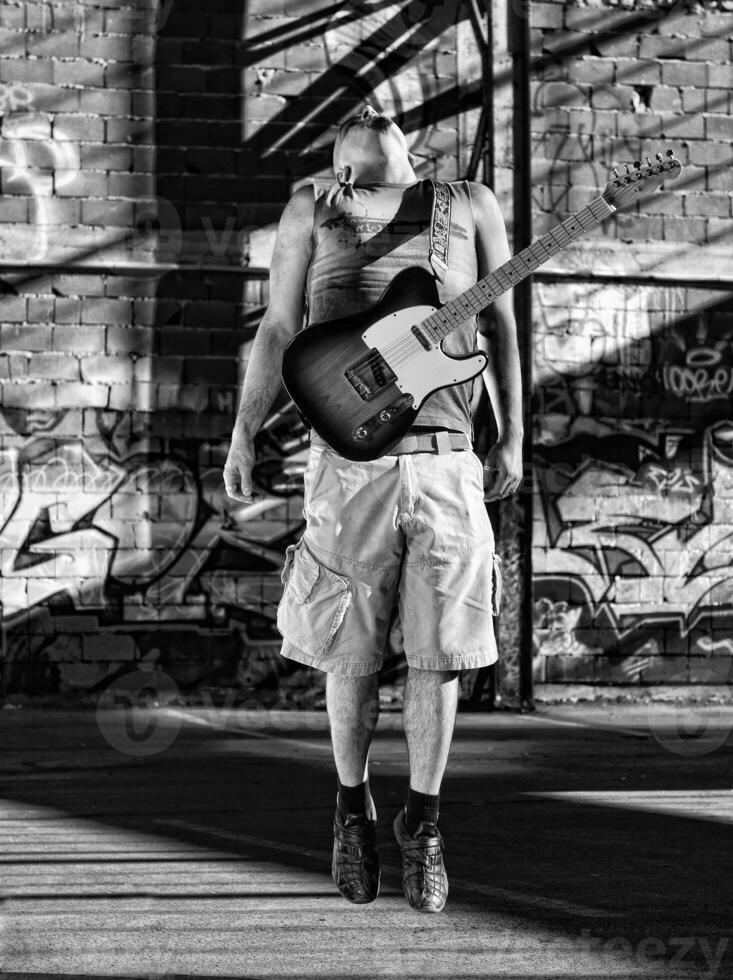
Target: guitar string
<point x="575" y="223"/>
<point x="401" y="350"/>
<point x="404" y="344"/>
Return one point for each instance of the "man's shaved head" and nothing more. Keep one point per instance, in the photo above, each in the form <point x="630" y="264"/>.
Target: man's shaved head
<point x="370" y="140"/>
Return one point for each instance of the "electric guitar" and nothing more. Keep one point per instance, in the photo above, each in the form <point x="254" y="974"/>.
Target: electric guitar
<point x="360" y="380"/>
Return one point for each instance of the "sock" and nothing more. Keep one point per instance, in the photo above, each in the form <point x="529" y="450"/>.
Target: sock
<point x="352" y="799"/>
<point x="420" y="806"/>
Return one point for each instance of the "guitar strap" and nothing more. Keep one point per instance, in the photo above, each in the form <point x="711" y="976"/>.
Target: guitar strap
<point x="439" y="229"/>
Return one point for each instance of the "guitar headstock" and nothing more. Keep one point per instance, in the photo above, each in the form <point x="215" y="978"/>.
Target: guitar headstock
<point x="625" y="188"/>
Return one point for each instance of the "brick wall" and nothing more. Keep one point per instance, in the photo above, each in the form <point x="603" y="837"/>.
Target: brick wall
<point x="139" y="136"/>
<point x="633" y="421"/>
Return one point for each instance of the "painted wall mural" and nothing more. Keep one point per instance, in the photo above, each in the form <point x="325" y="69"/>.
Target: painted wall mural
<point x="633" y="564"/>
<point x="138" y="536"/>
<point x="34" y="162"/>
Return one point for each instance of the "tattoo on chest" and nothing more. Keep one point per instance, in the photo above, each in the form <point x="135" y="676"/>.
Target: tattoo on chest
<point x="350" y="228"/>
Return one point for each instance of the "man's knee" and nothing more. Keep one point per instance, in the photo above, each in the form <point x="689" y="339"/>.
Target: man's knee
<point x="355" y="699"/>
<point x="436" y="677"/>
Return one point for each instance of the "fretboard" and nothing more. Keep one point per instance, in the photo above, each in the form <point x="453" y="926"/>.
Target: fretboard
<point x="439" y="324"/>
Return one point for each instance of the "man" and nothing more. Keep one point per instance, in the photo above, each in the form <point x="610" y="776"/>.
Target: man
<point x="410" y="526"/>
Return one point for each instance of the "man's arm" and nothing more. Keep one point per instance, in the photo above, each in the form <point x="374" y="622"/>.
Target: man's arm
<point x="282" y="320"/>
<point x="497" y="337"/>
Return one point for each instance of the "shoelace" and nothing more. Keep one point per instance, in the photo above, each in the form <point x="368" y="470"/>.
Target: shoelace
<point x="425" y="852"/>
<point x="351" y="843"/>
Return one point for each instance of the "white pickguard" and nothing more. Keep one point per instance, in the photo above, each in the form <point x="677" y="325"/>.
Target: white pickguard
<point x="419" y="371"/>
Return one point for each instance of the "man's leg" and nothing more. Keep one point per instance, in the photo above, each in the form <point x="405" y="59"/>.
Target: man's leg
<point x="429" y="716"/>
<point x="353" y="711"/>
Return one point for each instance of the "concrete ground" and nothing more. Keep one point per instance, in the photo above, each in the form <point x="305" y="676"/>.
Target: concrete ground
<point x="580" y="842"/>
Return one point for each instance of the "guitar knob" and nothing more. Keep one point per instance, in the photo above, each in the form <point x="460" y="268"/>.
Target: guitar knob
<point x="360" y="433"/>
<point x="637" y="164"/>
<point x="658" y="156"/>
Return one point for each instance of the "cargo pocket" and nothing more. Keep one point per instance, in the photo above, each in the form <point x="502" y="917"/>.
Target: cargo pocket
<point x="496" y="584"/>
<point x="313" y="603"/>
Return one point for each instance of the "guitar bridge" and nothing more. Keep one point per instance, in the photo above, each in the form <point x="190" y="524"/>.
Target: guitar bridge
<point x="370" y="375"/>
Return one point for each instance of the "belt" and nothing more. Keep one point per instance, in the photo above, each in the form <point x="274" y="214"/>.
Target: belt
<point x="431" y="442"/>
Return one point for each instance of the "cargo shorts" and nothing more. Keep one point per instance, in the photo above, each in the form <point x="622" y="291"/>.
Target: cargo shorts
<point x="411" y="529"/>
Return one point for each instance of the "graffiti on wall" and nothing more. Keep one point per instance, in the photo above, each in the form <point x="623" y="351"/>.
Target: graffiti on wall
<point x="33" y="162"/>
<point x="141" y="533"/>
<point x="634" y="465"/>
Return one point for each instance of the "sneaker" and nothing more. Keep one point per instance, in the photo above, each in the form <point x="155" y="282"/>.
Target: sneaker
<point x="424" y="880"/>
<point x="355" y="864"/>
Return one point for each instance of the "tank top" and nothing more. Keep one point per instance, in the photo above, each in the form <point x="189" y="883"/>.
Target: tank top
<point x="361" y="242"/>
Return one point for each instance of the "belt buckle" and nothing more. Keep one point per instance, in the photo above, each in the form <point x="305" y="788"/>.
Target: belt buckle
<point x="442" y="442"/>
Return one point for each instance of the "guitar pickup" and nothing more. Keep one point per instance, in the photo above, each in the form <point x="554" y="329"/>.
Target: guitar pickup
<point x="421" y="337"/>
<point x="370" y="375"/>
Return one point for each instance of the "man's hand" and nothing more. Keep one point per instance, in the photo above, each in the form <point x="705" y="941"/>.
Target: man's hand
<point x="503" y="469"/>
<point x="238" y="467"/>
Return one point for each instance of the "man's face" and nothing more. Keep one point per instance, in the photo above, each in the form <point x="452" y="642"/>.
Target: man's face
<point x="367" y="136"/>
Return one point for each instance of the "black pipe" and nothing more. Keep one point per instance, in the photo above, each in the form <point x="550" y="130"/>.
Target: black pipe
<point x="519" y="48"/>
<point x="132" y="269"/>
<point x="488" y="94"/>
<point x="630" y="280"/>
<point x="263" y="273"/>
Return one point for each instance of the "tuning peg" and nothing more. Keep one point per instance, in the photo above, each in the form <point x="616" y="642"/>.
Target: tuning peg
<point x="615" y="171"/>
<point x="627" y="169"/>
<point x="649" y="162"/>
<point x="659" y="156"/>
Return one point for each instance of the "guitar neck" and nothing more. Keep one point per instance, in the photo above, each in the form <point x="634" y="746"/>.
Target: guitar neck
<point x="488" y="289"/>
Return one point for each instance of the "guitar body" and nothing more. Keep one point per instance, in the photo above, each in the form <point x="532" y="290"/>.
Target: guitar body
<point x="360" y="381"/>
